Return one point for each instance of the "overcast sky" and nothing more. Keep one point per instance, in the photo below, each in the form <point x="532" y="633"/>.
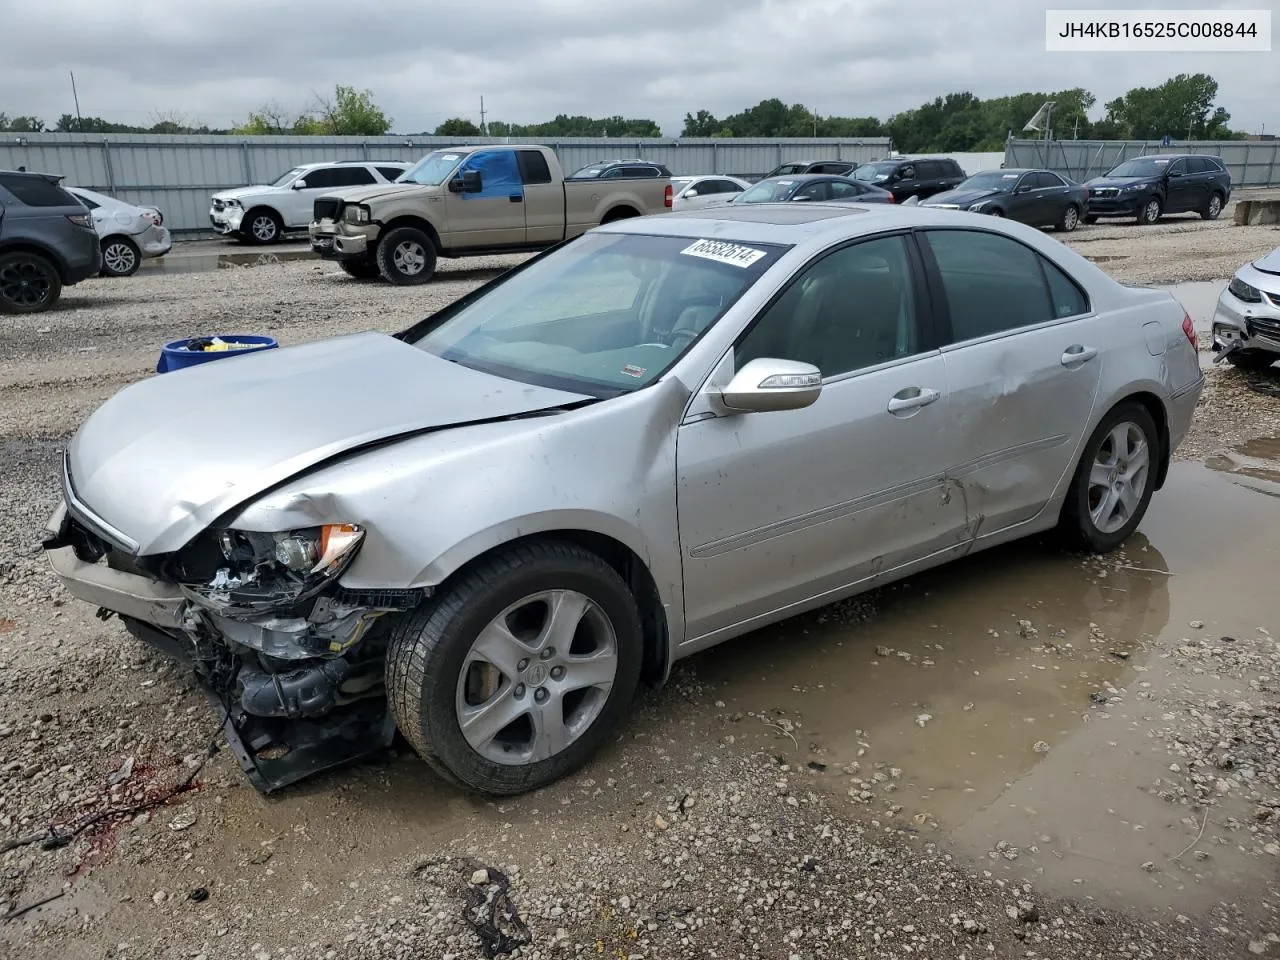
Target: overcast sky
<point x="425" y="61"/>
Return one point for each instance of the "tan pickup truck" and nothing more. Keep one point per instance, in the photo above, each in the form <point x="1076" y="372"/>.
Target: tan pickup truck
<point x="468" y="201"/>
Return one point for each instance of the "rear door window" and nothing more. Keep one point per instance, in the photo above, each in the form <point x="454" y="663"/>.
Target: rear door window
<point x="349" y="177"/>
<point x="534" y="168"/>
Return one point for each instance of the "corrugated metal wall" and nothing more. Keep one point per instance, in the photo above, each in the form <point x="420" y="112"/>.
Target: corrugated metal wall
<point x="1252" y="163"/>
<point x="178" y="173"/>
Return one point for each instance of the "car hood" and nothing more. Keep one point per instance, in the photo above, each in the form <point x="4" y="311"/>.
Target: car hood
<point x="237" y="193"/>
<point x="1118" y="181"/>
<point x="167" y="456"/>
<point x="1270" y="263"/>
<point x="380" y="191"/>
<point x="959" y="197"/>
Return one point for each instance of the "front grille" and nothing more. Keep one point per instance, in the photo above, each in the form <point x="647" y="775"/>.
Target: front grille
<point x="1263" y="326"/>
<point x="1104" y="192"/>
<point x="326" y="208"/>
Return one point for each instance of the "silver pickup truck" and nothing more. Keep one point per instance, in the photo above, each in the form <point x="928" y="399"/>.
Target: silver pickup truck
<point x="469" y="201"/>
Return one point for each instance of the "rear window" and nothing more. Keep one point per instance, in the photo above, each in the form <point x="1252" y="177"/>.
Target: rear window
<point x="37" y="191"/>
<point x="589" y="172"/>
<point x="391" y="173"/>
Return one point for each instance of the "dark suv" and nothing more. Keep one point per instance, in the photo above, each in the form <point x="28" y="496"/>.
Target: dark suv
<point x="47" y="241"/>
<point x="906" y="178"/>
<point x="838" y="168"/>
<point x="621" y="170"/>
<point x="1146" y="188"/>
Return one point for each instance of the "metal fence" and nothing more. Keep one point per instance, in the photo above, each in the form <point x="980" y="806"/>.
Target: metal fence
<point x="1252" y="163"/>
<point x="178" y="173"/>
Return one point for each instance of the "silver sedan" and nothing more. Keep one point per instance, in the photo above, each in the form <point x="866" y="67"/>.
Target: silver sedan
<point x="489" y="529"/>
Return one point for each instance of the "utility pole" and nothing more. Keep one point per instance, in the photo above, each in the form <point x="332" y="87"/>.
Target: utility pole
<point x="483" y="131"/>
<point x="76" y="97"/>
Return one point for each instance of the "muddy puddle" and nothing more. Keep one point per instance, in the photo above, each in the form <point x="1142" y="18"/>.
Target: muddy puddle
<point x="206" y="262"/>
<point x="1017" y="704"/>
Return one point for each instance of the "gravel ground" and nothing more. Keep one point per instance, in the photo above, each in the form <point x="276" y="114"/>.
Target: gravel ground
<point x="723" y="823"/>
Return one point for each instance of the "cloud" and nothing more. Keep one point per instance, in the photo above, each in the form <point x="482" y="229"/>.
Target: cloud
<point x="533" y="59"/>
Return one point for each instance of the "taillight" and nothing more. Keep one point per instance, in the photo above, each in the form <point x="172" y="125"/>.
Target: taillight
<point x="891" y="199"/>
<point x="81" y="220"/>
<point x="667" y="196"/>
<point x="1189" y="329"/>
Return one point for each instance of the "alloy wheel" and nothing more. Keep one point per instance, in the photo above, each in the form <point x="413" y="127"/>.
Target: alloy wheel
<point x="1118" y="477"/>
<point x="119" y="258"/>
<point x="24" y="283"/>
<point x="536" y="677"/>
<point x="409" y="257"/>
<point x="263" y="228"/>
<point x="1070" y="219"/>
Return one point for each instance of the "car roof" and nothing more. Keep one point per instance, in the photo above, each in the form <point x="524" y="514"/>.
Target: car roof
<point x="804" y="177"/>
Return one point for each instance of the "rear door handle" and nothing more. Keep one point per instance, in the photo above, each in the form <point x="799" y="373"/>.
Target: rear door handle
<point x="911" y="398"/>
<point x="1077" y="354"/>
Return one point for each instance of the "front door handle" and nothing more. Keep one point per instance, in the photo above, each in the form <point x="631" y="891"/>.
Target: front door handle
<point x="1077" y="354"/>
<point x="912" y="398"/>
<point x="515" y="198"/>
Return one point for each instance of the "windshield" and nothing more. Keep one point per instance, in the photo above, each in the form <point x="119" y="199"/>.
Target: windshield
<point x="284" y="178"/>
<point x="433" y="169"/>
<point x="589" y="172"/>
<point x="1140" y="167"/>
<point x="998" y="180"/>
<point x="874" y="172"/>
<point x="605" y="314"/>
<point x="679" y="183"/>
<point x="767" y="191"/>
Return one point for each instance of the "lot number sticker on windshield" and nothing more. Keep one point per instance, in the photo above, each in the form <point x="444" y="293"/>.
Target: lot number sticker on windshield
<point x="733" y="254"/>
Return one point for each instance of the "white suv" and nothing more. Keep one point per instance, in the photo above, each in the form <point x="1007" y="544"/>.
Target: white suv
<point x="261" y="214"/>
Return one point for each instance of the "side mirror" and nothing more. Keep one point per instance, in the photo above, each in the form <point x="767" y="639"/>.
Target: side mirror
<point x="766" y="384"/>
<point x="800" y="196"/>
<point x="1175" y="173"/>
<point x="299" y="184"/>
<point x="1023" y="189"/>
<point x="689" y="193"/>
<point x="468" y="181"/>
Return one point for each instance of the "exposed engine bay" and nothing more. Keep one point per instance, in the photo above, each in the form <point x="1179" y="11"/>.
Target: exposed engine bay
<point x="294" y="661"/>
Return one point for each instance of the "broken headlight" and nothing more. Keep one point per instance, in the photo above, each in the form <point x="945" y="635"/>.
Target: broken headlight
<point x="262" y="571"/>
<point x="355" y="213"/>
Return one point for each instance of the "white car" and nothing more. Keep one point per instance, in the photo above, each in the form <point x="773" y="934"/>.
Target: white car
<point x="129" y="234"/>
<point x="261" y="214"/>
<point x="693" y="193"/>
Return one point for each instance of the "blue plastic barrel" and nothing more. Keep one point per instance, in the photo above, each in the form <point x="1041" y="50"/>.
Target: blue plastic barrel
<point x="176" y="355"/>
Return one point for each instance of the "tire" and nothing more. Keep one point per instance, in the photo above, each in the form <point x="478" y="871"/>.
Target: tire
<point x="1070" y="219"/>
<point x="1151" y="210"/>
<point x="28" y="283"/>
<point x="430" y="665"/>
<point x="1214" y="209"/>
<point x="1090" y="219"/>
<point x="406" y="256"/>
<point x="262" y="226"/>
<point x="1081" y="524"/>
<point x="1252" y="359"/>
<point x="994" y="213"/>
<point x="360" y="269"/>
<point x="120" y="257"/>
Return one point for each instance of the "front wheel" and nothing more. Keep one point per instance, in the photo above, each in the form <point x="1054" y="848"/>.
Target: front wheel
<point x="262" y="227"/>
<point x="120" y="257"/>
<point x="1150" y="212"/>
<point x="406" y="256"/>
<point x="518" y="673"/>
<point x="1114" y="480"/>
<point x="28" y="283"/>
<point x="1070" y="219"/>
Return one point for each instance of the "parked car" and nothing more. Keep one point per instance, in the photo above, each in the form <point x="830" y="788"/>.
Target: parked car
<point x="262" y="214"/>
<point x="621" y="170"/>
<point x="841" y="168"/>
<point x="692" y="193"/>
<point x="467" y="201"/>
<point x="47" y="241"/>
<point x="1246" y="323"/>
<point x="1147" y="188"/>
<point x="631" y="448"/>
<point x="814" y="187"/>
<point x="128" y="234"/>
<point x="906" y="178"/>
<point x="1039" y="198"/>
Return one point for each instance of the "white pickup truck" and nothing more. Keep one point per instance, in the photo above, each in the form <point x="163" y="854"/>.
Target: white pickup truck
<point x="470" y="201"/>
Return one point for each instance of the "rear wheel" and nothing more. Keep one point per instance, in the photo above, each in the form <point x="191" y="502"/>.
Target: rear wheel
<point x="262" y="226"/>
<point x="1070" y="218"/>
<point x="120" y="257"/>
<point x="406" y="256"/>
<point x="28" y="283"/>
<point x="520" y="670"/>
<point x="1213" y="209"/>
<point x="1114" y="480"/>
<point x="360" y="269"/>
<point x="1150" y="212"/>
<point x="1252" y="359"/>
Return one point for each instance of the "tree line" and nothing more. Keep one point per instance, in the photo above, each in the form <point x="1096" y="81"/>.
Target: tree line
<point x="1182" y="107"/>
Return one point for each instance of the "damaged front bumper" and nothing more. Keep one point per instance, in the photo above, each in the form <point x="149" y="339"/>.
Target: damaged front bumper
<point x="301" y="686"/>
